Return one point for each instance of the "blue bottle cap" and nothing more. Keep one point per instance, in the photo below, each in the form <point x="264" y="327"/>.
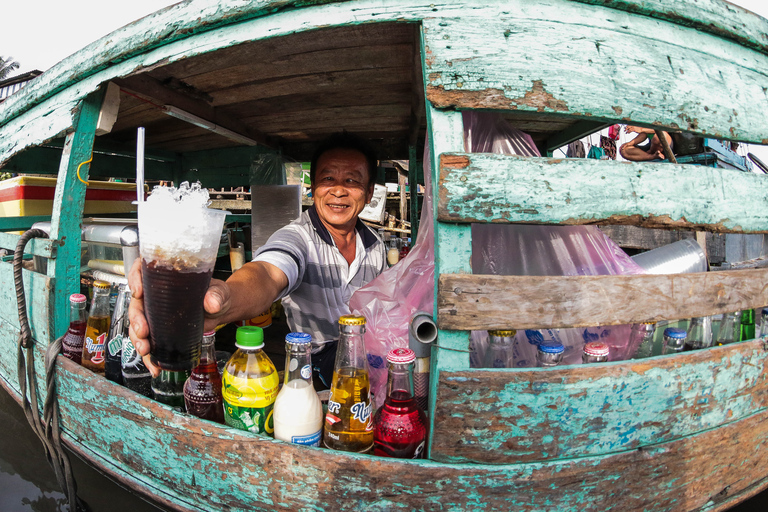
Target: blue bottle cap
<point x="298" y="338"/>
<point x="552" y="347"/>
<point x="675" y="332"/>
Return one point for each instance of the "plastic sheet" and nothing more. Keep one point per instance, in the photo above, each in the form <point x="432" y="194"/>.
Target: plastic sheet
<point x="389" y="301"/>
<point x="267" y="169"/>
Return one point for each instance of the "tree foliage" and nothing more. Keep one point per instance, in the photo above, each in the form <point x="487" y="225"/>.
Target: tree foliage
<point x="7" y="65"/>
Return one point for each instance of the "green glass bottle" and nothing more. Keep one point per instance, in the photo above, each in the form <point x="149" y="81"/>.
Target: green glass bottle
<point x="747" y="325"/>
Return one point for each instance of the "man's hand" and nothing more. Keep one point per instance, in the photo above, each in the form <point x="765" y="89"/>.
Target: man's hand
<point x="139" y="328"/>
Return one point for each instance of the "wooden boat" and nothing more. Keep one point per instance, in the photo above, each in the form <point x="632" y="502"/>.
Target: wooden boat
<point x="682" y="432"/>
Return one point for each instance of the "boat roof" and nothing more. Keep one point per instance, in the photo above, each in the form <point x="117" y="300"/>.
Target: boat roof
<point x="282" y="78"/>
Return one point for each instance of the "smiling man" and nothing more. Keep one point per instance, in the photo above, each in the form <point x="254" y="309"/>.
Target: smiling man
<point x="314" y="264"/>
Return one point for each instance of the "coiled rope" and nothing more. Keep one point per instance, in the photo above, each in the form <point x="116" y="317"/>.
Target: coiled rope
<point x="47" y="429"/>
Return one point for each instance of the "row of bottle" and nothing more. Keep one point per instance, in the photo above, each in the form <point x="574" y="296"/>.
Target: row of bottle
<point x="736" y="326"/>
<point x="295" y="414"/>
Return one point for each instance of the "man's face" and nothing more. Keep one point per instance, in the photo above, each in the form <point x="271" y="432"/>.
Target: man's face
<point x="341" y="188"/>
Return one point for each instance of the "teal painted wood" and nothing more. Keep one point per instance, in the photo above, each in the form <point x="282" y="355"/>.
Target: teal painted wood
<point x="38" y="246"/>
<point x="541" y="414"/>
<point x="193" y="464"/>
<point x="20" y="224"/>
<point x="499" y="188"/>
<point x="571" y="60"/>
<point x="68" y="202"/>
<point x="230" y="167"/>
<point x="183" y="30"/>
<point x="39" y="296"/>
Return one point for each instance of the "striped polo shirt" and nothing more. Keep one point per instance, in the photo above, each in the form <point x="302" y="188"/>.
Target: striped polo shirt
<point x="320" y="281"/>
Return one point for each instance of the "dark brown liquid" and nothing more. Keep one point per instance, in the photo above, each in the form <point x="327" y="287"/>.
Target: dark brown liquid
<point x="173" y="302"/>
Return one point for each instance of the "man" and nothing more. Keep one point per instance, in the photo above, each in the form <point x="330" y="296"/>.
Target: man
<point x="653" y="151"/>
<point x="314" y="264"/>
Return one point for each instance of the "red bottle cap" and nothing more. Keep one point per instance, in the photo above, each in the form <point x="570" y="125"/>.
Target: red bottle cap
<point x="596" y="348"/>
<point x="77" y="298"/>
<point x="401" y="356"/>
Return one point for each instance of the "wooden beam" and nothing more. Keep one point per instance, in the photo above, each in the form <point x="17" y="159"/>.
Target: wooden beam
<point x="595" y="409"/>
<point x="470" y="302"/>
<point x="159" y="95"/>
<point x="512" y="189"/>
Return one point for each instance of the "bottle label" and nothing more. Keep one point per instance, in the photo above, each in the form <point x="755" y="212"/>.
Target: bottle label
<point x="257" y="420"/>
<point x="306" y="371"/>
<point x="309" y="440"/>
<point x="115" y="345"/>
<point x="96" y="348"/>
<point x="248" y="403"/>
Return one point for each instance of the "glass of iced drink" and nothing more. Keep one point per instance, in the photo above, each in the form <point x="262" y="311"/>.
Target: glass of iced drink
<point x="178" y="239"/>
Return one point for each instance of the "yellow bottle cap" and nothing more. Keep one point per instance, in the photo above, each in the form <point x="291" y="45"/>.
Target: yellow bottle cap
<point x="351" y="320"/>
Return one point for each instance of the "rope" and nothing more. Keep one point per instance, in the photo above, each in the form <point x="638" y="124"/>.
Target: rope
<point x="47" y="429"/>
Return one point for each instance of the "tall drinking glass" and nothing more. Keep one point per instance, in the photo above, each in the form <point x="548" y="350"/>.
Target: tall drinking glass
<point x="178" y="240"/>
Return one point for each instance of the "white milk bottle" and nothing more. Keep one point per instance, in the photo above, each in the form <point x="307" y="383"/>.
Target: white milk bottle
<point x="298" y="413"/>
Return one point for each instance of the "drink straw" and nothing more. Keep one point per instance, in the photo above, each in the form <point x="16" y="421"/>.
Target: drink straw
<point x="140" y="165"/>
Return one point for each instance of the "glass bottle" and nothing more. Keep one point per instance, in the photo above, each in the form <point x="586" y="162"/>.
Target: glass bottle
<point x="764" y="322"/>
<point x="747" y="325"/>
<point x="72" y="344"/>
<point x="393" y="253"/>
<point x="298" y="411"/>
<point x="136" y="376"/>
<point x="168" y="388"/>
<point x="202" y="390"/>
<point x="97" y="329"/>
<point x="641" y="337"/>
<point x="499" y="353"/>
<point x="112" y="367"/>
<point x="549" y="354"/>
<point x="699" y="333"/>
<point x="250" y="384"/>
<point x="349" y="421"/>
<point x="595" y="352"/>
<point x="729" y="329"/>
<point x="400" y="426"/>
<point x="674" y="340"/>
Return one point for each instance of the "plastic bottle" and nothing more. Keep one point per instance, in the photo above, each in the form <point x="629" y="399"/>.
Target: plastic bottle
<point x="641" y="337"/>
<point x="97" y="329"/>
<point x="202" y="390"/>
<point x="112" y="367"/>
<point x="349" y="421"/>
<point x="400" y="426"/>
<point x="136" y="376"/>
<point x="729" y="329"/>
<point x="549" y="353"/>
<point x="747" y="325"/>
<point x="595" y="352"/>
<point x="298" y="411"/>
<point x="168" y="388"/>
<point x="250" y="384"/>
<point x="699" y="333"/>
<point x="674" y="340"/>
<point x="499" y="352"/>
<point x="72" y="344"/>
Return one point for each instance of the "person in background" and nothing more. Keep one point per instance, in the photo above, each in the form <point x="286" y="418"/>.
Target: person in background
<point x="314" y="264"/>
<point x="652" y="151"/>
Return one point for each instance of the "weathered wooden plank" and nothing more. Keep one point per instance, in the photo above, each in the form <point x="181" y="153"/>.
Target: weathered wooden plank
<point x="536" y="302"/>
<point x="68" y="202"/>
<point x="39" y="294"/>
<point x="513" y="416"/>
<point x="585" y="62"/>
<point x="503" y="188"/>
<point x="19" y="224"/>
<point x="204" y="462"/>
<point x="37" y="247"/>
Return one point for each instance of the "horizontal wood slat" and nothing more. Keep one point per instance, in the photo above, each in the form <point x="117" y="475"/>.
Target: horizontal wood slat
<point x="37" y="247"/>
<point x="587" y="63"/>
<point x="468" y="302"/>
<point x="503" y="189"/>
<point x="39" y="294"/>
<point x="536" y="414"/>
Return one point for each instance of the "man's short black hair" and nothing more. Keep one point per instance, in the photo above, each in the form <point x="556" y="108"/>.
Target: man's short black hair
<point x="346" y="140"/>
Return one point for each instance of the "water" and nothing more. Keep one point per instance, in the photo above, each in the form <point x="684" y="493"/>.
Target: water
<point x="27" y="483"/>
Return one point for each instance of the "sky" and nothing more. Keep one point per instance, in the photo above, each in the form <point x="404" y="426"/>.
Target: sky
<point x="41" y="33"/>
